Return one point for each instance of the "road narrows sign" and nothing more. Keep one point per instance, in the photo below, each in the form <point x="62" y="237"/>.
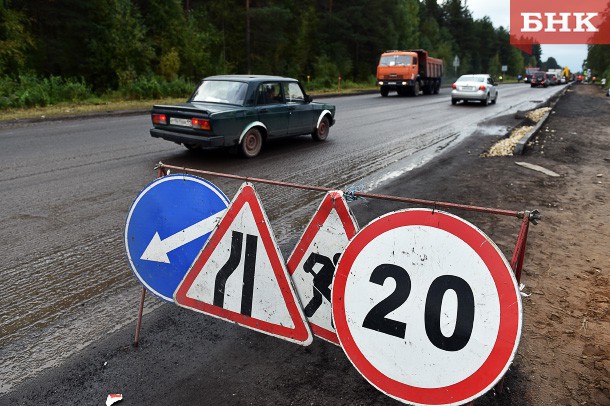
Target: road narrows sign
<point x="167" y="224"/>
<point x="426" y="307"/>
<point x="312" y="263"/>
<point x="240" y="275"/>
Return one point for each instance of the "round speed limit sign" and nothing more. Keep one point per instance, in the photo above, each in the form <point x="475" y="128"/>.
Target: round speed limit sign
<point x="426" y="307"/>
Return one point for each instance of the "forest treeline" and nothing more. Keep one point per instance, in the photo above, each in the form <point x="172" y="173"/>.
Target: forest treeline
<point x="151" y="48"/>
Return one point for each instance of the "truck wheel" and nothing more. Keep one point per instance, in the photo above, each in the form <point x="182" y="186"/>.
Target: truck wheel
<point x="384" y="91"/>
<point x="427" y="88"/>
<point x="321" y="133"/>
<point x="415" y="89"/>
<point x="252" y="143"/>
<point x="437" y="86"/>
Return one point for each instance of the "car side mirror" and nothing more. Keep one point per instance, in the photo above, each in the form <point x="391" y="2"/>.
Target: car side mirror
<point x="308" y="99"/>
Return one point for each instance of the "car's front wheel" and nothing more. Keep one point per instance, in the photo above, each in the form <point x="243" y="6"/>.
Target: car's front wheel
<point x="321" y="133"/>
<point x="252" y="143"/>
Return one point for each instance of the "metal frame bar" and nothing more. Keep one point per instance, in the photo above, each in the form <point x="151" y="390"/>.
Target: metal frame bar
<point x="436" y="204"/>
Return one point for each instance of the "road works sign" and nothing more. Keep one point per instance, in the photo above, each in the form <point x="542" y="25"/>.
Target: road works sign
<point x="426" y="307"/>
<point x="312" y="263"/>
<point x="240" y="275"/>
<point x="167" y="224"/>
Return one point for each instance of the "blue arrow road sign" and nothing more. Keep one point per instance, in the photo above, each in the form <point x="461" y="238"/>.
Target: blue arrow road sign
<point x="167" y="225"/>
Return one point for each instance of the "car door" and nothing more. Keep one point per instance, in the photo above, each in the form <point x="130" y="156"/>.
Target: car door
<point x="301" y="118"/>
<point x="271" y="109"/>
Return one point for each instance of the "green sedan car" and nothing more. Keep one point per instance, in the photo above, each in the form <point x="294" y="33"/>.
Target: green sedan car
<point x="242" y="111"/>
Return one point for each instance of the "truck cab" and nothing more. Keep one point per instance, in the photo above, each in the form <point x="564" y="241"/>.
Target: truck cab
<point x="408" y="73"/>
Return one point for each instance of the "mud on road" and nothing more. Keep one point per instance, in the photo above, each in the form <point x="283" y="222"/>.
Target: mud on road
<point x="564" y="354"/>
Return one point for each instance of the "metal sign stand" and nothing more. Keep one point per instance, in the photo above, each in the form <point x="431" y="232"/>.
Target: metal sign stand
<point x="516" y="260"/>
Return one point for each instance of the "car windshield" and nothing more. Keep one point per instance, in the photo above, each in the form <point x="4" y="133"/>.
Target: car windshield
<point x="392" y="60"/>
<point x="221" y="91"/>
<point x="471" y="78"/>
<point x="539" y="74"/>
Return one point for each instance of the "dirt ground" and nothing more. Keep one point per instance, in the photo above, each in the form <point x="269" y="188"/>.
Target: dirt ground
<point x="564" y="352"/>
<point x="565" y="348"/>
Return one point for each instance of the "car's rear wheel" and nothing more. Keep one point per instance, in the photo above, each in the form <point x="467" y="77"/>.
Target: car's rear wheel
<point x="453" y="101"/>
<point x="321" y="133"/>
<point x="485" y="102"/>
<point x="252" y="143"/>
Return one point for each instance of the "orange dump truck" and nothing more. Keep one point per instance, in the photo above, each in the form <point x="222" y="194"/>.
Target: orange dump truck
<point x="409" y="72"/>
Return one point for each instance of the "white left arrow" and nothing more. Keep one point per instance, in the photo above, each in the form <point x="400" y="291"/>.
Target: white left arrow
<point x="158" y="249"/>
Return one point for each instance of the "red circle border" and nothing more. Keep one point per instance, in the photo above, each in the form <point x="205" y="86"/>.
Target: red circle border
<point x="509" y="330"/>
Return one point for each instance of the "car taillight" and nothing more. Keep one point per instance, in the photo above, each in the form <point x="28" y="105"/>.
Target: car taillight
<point x="201" y="124"/>
<point x="482" y="87"/>
<point x="453" y="86"/>
<point x="159" y="118"/>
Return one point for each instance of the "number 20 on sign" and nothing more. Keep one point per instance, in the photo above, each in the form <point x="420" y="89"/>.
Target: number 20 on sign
<point x="426" y="307"/>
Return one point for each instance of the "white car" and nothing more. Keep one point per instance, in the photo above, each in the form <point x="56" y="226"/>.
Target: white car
<point x="479" y="87"/>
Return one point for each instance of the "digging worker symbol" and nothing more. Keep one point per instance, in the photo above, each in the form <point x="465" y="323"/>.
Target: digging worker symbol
<point x="321" y="279"/>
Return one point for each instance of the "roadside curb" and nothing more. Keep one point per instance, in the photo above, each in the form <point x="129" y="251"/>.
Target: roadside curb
<point x="341" y="94"/>
<point x="520" y="147"/>
<point x="19" y="121"/>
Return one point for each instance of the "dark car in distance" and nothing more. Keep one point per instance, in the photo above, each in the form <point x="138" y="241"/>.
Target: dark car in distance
<point x="539" y="79"/>
<point x="242" y="111"/>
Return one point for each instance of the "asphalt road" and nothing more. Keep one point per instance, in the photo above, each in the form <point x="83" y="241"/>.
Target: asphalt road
<point x="67" y="186"/>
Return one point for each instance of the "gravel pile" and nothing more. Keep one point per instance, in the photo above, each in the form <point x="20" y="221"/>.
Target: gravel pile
<point x="506" y="146"/>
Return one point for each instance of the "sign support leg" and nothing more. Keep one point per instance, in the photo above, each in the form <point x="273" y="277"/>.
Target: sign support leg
<point x="516" y="264"/>
<point x="519" y="253"/>
<point x="136" y="340"/>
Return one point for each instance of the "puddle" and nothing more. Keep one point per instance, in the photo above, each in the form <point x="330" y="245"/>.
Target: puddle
<point x="492" y="130"/>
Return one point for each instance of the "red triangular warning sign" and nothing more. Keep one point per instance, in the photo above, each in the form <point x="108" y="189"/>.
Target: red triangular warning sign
<point x="313" y="261"/>
<point x="240" y="275"/>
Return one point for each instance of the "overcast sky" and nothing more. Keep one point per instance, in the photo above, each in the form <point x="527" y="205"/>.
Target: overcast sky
<point x="499" y="13"/>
